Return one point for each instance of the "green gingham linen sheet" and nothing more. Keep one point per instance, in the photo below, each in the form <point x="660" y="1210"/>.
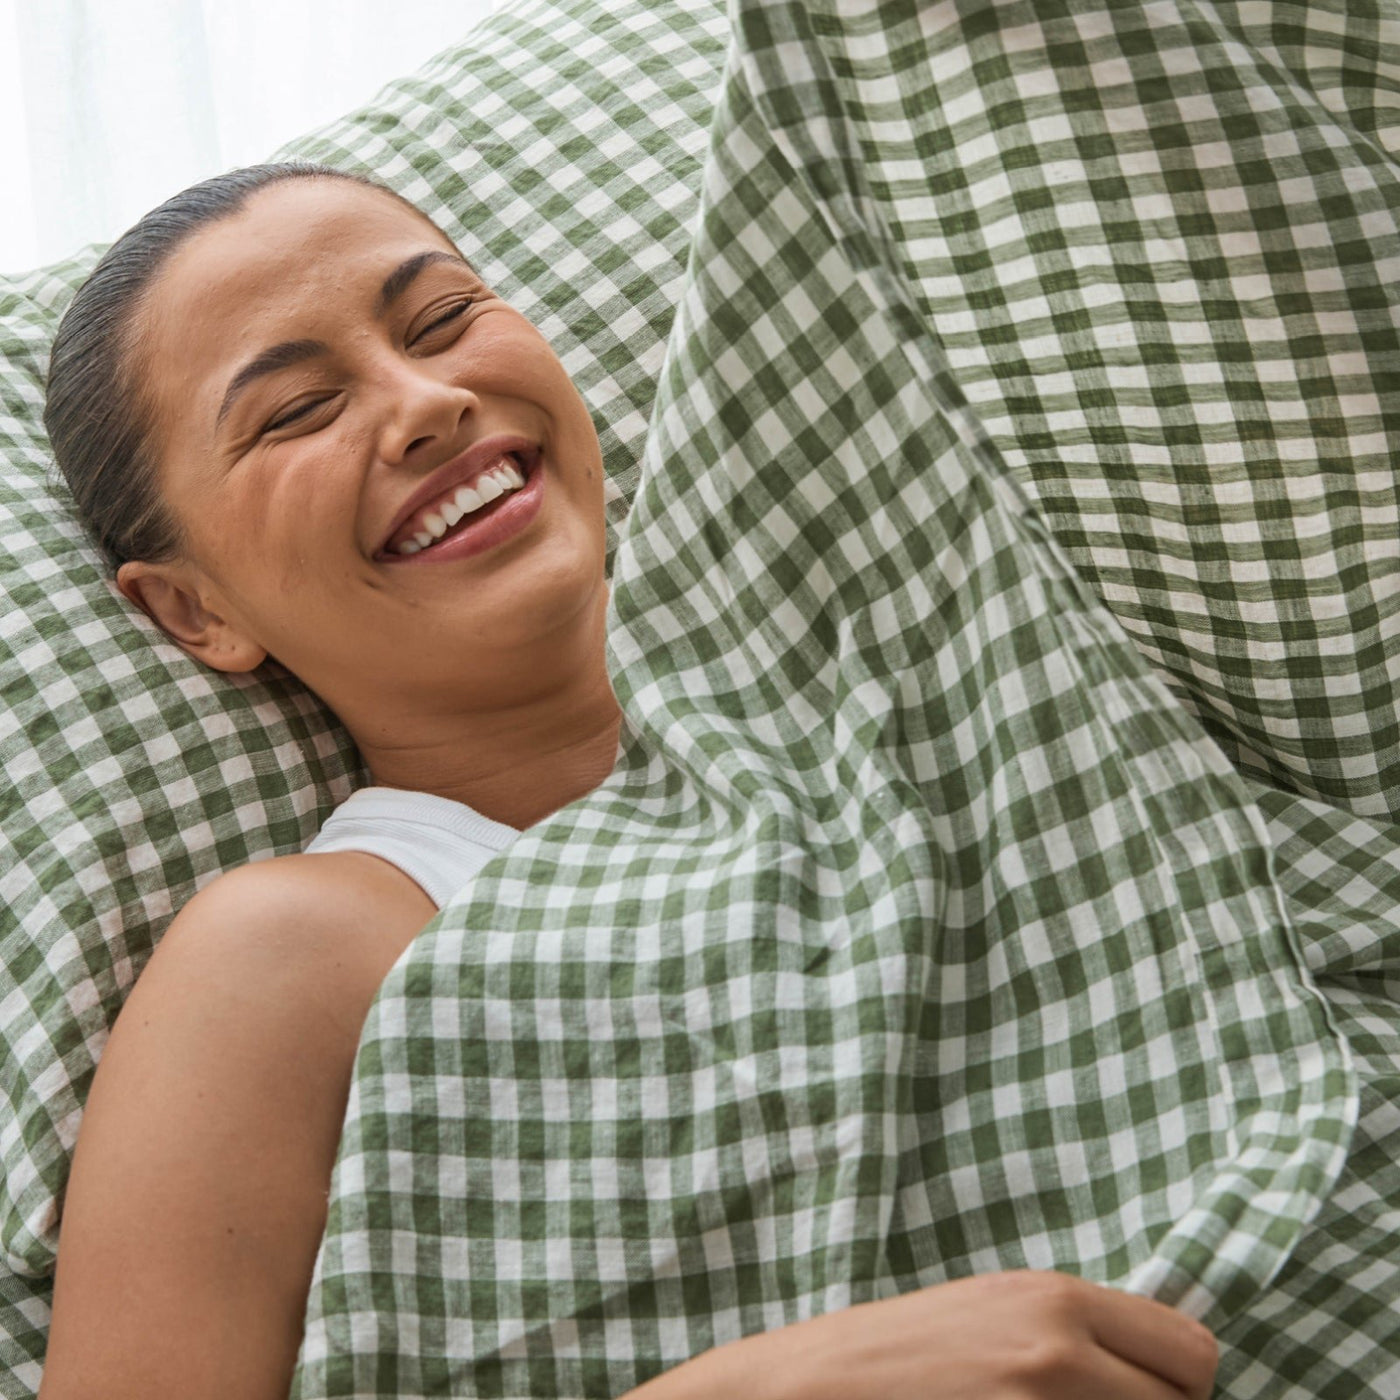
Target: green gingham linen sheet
<point x="921" y="929"/>
<point x="1152" y="247"/>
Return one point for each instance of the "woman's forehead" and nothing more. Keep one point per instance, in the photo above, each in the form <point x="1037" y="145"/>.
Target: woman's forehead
<point x="295" y="233"/>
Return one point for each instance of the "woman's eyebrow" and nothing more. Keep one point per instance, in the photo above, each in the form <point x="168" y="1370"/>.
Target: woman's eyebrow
<point x="291" y="352"/>
<point x="396" y="283"/>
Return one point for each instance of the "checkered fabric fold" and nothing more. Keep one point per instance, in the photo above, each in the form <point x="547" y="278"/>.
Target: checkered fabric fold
<point x="920" y="929"/>
<point x="1159" y="244"/>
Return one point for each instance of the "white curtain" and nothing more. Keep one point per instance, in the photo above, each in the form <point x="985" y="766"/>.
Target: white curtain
<point x="109" y="106"/>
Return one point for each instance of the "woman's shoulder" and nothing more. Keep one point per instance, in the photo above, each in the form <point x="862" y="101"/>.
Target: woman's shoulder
<point x="199" y="1181"/>
<point x="325" y="883"/>
<point x="346" y="909"/>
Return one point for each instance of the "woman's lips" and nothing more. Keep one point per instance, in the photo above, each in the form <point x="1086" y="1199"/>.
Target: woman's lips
<point x="456" y="472"/>
<point x="492" y="525"/>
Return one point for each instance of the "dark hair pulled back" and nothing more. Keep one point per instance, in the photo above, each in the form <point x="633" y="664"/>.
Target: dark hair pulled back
<point x="97" y="419"/>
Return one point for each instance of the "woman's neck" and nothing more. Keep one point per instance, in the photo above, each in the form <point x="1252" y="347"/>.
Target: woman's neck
<point x="517" y="764"/>
<point x="517" y="784"/>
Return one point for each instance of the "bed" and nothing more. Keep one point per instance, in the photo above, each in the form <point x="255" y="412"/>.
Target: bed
<point x="874" y="963"/>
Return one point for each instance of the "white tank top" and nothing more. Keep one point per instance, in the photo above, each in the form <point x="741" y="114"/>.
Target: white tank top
<point x="438" y="843"/>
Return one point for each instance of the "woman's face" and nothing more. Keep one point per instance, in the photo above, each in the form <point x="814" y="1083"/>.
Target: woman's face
<point x="326" y="377"/>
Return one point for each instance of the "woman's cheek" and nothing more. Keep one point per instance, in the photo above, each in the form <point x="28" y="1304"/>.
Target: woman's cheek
<point x="285" y="515"/>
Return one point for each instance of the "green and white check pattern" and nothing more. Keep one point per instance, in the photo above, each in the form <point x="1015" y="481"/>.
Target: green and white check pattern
<point x="921" y="930"/>
<point x="1158" y="244"/>
<point x="560" y="145"/>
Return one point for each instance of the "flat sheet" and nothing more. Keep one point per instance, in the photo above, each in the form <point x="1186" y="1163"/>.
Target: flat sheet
<point x="919" y="931"/>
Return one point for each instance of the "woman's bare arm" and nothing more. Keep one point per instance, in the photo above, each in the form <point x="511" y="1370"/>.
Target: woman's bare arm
<point x="198" y="1193"/>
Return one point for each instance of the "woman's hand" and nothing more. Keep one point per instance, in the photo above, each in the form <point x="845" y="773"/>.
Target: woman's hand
<point x="1010" y="1336"/>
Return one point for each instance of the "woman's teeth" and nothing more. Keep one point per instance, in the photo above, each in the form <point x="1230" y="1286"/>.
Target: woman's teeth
<point x="437" y="521"/>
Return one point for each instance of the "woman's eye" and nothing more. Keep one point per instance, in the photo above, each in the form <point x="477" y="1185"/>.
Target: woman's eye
<point x="287" y="419"/>
<point x="445" y="319"/>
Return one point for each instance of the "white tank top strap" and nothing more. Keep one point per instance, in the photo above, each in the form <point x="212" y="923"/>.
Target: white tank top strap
<point x="435" y="841"/>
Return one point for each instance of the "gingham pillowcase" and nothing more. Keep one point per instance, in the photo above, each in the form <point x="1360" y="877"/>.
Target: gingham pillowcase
<point x="559" y="145"/>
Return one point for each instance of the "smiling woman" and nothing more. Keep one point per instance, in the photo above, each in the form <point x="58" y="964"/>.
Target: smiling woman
<point x="303" y="427"/>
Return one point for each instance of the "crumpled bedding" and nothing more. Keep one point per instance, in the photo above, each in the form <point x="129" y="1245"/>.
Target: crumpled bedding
<point x="923" y="927"/>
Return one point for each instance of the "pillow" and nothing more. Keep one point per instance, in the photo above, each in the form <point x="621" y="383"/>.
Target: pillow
<point x="560" y="146"/>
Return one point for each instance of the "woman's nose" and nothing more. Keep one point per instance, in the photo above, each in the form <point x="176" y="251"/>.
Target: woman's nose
<point x="421" y="409"/>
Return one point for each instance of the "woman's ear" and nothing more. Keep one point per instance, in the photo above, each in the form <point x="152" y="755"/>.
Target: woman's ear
<point x="167" y="594"/>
